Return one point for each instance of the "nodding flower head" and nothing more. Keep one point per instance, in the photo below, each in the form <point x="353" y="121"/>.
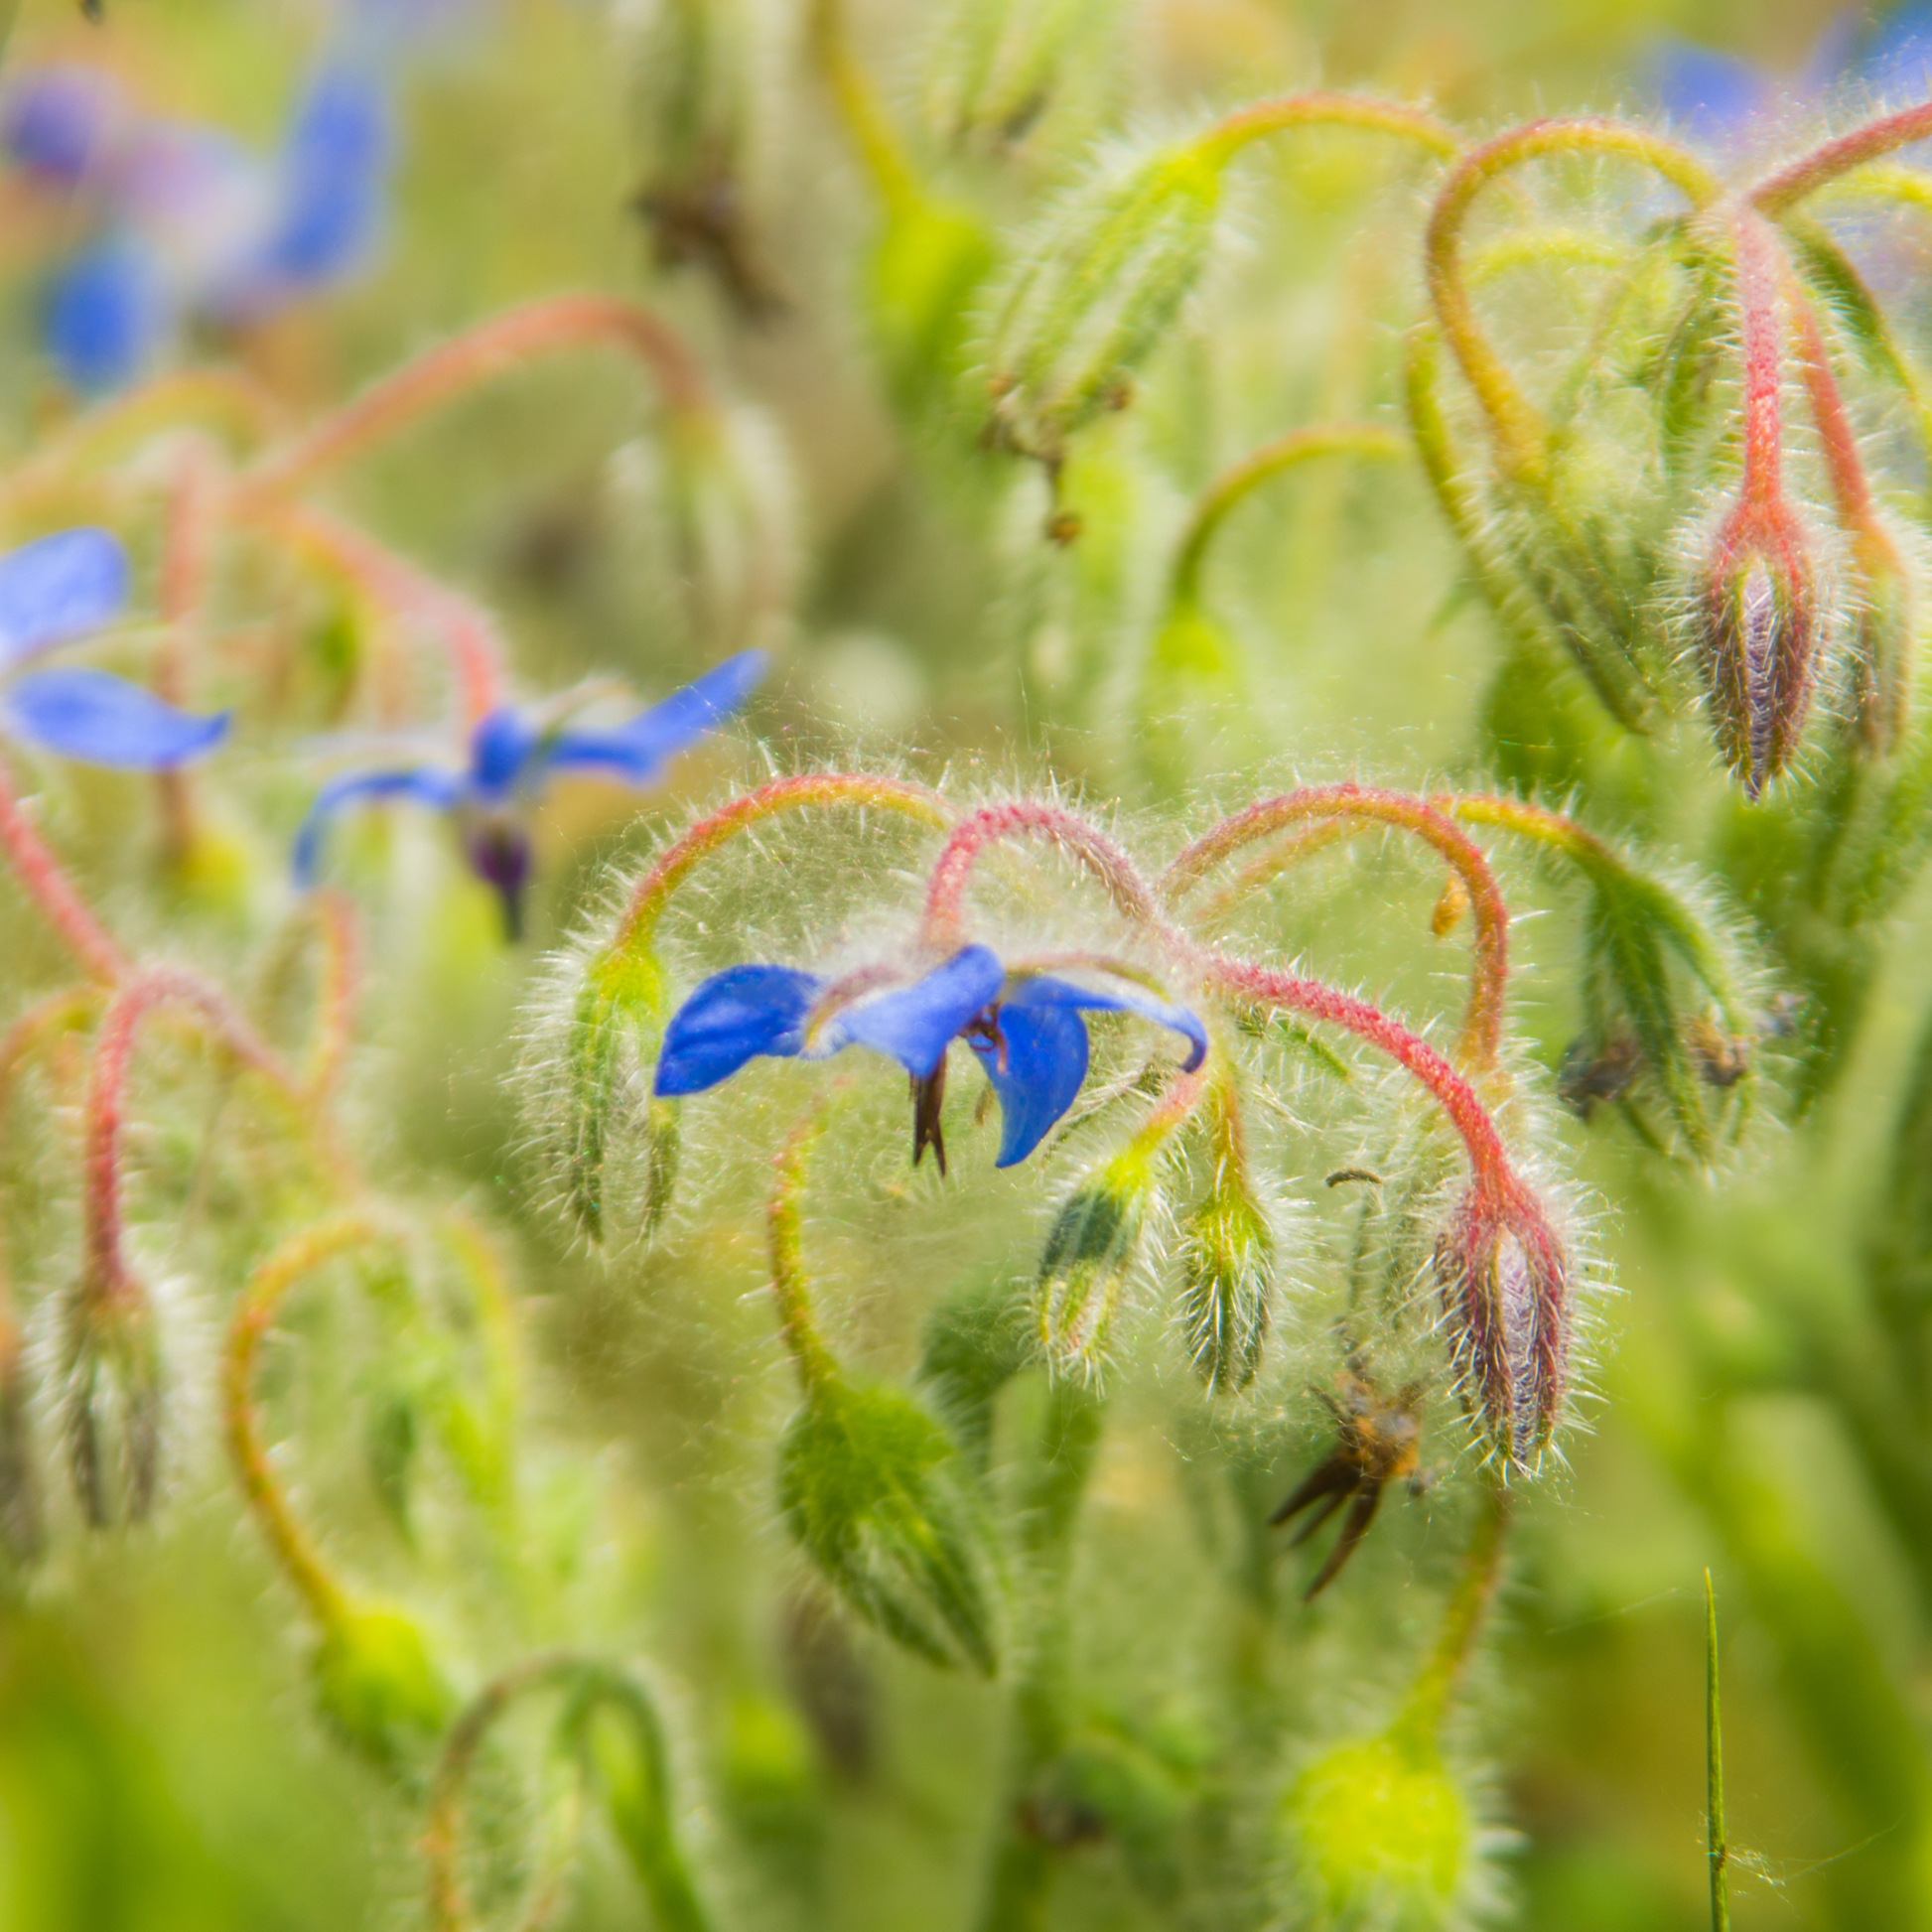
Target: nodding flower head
<point x="53" y="591"/>
<point x="1759" y="629"/>
<point x="1022" y="1023"/>
<point x="512" y="756"/>
<point x="1505" y="1286"/>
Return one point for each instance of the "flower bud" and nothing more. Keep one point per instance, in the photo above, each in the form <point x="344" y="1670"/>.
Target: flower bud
<point x="378" y="1687"/>
<point x="695" y="99"/>
<point x="1379" y="1838"/>
<point x="1227" y="1260"/>
<point x="1505" y="1289"/>
<point x="884" y="1505"/>
<point x="709" y="501"/>
<point x="23" y="1528"/>
<point x="975" y="1344"/>
<point x="1090" y="1250"/>
<point x="618" y="1010"/>
<point x="1093" y="296"/>
<point x="1758" y="630"/>
<point x="998" y="68"/>
<point x="113" y="1406"/>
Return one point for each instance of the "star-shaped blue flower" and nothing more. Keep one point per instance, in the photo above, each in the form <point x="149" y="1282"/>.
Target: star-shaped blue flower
<point x="56" y="589"/>
<point x="181" y="223"/>
<point x="512" y="756"/>
<point x="1025" y="1026"/>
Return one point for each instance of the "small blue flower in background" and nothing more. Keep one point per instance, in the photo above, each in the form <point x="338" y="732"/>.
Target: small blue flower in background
<point x="1724" y="98"/>
<point x="1026" y="1029"/>
<point x="52" y="592"/>
<point x="511" y="758"/>
<point x="187" y="224"/>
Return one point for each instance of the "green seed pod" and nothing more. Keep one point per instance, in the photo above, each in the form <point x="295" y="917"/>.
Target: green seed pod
<point x="1379" y="1838"/>
<point x="996" y="69"/>
<point x="379" y="1689"/>
<point x="1090" y="1251"/>
<point x="1227" y="1285"/>
<point x="1095" y="293"/>
<point x="884" y="1505"/>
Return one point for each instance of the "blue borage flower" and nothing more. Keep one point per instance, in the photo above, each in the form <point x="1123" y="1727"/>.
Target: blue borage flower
<point x="1722" y="97"/>
<point x="512" y="756"/>
<point x="1025" y="1026"/>
<point x="187" y="223"/>
<point x="52" y="592"/>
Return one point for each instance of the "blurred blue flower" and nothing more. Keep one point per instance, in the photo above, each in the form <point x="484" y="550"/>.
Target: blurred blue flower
<point x="1722" y="98"/>
<point x="1025" y="1026"/>
<point x="186" y="223"/>
<point x="511" y="757"/>
<point x="56" y="589"/>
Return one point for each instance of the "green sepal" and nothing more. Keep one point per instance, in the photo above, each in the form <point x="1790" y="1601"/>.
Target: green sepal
<point x="378" y="1687"/>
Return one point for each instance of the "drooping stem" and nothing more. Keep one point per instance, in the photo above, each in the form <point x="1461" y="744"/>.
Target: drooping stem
<point x="340" y="974"/>
<point x="790" y="1289"/>
<point x="267" y="1287"/>
<point x="1758" y="261"/>
<point x="1718" y="1851"/>
<point x="506" y="342"/>
<point x="1837" y="440"/>
<point x="107" y="1279"/>
<point x="1261" y="465"/>
<point x="1513" y="420"/>
<point x="1364" y="805"/>
<point x="41" y="874"/>
<point x="1463" y="1618"/>
<point x="1229" y="135"/>
<point x="1066" y="831"/>
<point x="673" y="866"/>
<point x="1803" y="177"/>
<point x="1263" y="986"/>
<point x="1561" y="835"/>
<point x="866" y="121"/>
<point x="468" y="635"/>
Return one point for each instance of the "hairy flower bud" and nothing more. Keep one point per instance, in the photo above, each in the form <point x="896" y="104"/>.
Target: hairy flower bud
<point x="22" y="1526"/>
<point x="884" y="1505"/>
<point x="1757" y="636"/>
<point x="1093" y="296"/>
<point x="1090" y="1250"/>
<point x="696" y="96"/>
<point x="1505" y="1288"/>
<point x="112" y="1405"/>
<point x="923" y="279"/>
<point x="998" y="68"/>
<point x="1227" y="1261"/>
<point x="1379" y="1838"/>
<point x="378" y="1687"/>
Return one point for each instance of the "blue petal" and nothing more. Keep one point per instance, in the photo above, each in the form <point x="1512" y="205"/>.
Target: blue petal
<point x="60" y="587"/>
<point x="734" y="1016"/>
<point x="1047" y="991"/>
<point x="103" y="315"/>
<point x="333" y="173"/>
<point x="1037" y="1067"/>
<point x="638" y="750"/>
<point x="1713" y="95"/>
<point x="441" y="790"/>
<point x="101" y="719"/>
<point x="916" y="1024"/>
<point x="499" y="751"/>
<point x="1898" y="56"/>
<point x="56" y="121"/>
